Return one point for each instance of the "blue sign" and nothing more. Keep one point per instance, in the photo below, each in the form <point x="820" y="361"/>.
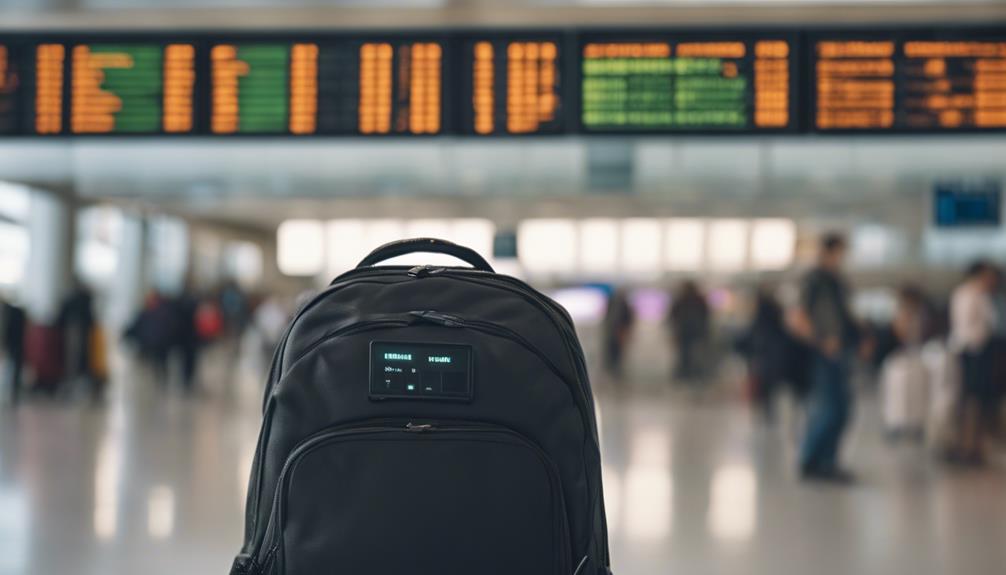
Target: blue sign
<point x="960" y="204"/>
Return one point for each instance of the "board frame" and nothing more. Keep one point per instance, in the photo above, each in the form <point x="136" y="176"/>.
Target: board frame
<point x="802" y="88"/>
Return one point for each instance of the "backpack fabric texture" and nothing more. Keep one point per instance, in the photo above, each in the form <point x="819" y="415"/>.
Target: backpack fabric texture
<point x="422" y="419"/>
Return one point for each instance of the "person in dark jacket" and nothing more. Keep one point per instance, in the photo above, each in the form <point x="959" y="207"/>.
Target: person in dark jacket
<point x="186" y="337"/>
<point x="767" y="346"/>
<point x="618" y="321"/>
<point x="688" y="321"/>
<point x="76" y="320"/>
<point x="972" y="320"/>
<point x="152" y="331"/>
<point x="13" y="320"/>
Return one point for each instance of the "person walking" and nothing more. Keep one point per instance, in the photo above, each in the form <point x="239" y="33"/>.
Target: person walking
<point x="998" y="358"/>
<point x="618" y="321"/>
<point x="77" y="321"/>
<point x="826" y="322"/>
<point x="688" y="321"/>
<point x="972" y="321"/>
<point x="766" y="346"/>
<point x="185" y="338"/>
<point x="152" y="331"/>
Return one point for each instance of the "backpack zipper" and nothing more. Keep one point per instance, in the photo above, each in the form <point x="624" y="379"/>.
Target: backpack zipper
<point x="276" y="518"/>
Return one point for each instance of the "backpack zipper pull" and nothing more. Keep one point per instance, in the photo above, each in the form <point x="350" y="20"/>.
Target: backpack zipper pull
<point x="423" y="271"/>
<point x="418" y="427"/>
<point x="438" y="318"/>
<point x="419" y="271"/>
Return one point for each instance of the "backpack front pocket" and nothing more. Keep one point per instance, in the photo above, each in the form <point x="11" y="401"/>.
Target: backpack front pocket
<point x="427" y="498"/>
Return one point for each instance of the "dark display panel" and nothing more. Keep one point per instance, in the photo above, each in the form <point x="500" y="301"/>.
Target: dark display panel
<point x="407" y="370"/>
<point x="10" y="80"/>
<point x="144" y="88"/>
<point x="512" y="85"/>
<point x="687" y="82"/>
<point x="909" y="81"/>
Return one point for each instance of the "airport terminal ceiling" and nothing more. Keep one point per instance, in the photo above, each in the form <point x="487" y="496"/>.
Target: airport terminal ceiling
<point x="298" y="14"/>
<point x="264" y="181"/>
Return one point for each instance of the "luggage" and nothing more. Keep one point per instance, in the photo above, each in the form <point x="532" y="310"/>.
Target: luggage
<point x="905" y="385"/>
<point x="98" y="350"/>
<point x="44" y="353"/>
<point x="209" y="321"/>
<point x="942" y="365"/>
<point x="427" y="420"/>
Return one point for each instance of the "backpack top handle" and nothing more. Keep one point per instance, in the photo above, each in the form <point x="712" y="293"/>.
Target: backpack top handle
<point x="425" y="245"/>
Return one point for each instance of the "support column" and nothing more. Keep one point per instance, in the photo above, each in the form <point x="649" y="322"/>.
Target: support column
<point x="49" y="271"/>
<point x="130" y="284"/>
<point x="168" y="243"/>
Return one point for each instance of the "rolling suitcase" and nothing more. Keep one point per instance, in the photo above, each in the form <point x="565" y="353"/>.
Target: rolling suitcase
<point x="427" y="420"/>
<point x="44" y="353"/>
<point x="942" y="365"/>
<point x="905" y="385"/>
<point x="98" y="354"/>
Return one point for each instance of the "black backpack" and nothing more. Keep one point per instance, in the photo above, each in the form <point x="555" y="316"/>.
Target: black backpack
<point x="427" y="420"/>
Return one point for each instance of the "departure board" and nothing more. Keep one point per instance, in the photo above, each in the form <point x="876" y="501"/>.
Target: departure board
<point x="910" y="82"/>
<point x="657" y="83"/>
<point x="512" y="85"/>
<point x="337" y="87"/>
<point x="132" y="88"/>
<point x="505" y="82"/>
<point x="10" y="81"/>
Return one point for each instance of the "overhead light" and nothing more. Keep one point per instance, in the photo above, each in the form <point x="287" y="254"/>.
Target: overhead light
<point x="300" y="247"/>
<point x="728" y="245"/>
<point x="640" y="247"/>
<point x="547" y="245"/>
<point x="684" y="244"/>
<point x="773" y="242"/>
<point x="598" y="245"/>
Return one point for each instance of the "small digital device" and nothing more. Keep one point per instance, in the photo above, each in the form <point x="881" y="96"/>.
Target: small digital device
<point x="405" y="370"/>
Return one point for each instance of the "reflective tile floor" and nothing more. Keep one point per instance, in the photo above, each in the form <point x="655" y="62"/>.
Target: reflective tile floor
<point x="153" y="483"/>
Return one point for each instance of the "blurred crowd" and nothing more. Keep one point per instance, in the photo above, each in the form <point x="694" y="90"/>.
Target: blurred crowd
<point x="168" y="335"/>
<point x="69" y="352"/>
<point x="940" y="365"/>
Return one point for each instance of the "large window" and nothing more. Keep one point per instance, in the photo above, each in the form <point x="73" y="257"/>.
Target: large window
<point x="99" y="233"/>
<point x="643" y="247"/>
